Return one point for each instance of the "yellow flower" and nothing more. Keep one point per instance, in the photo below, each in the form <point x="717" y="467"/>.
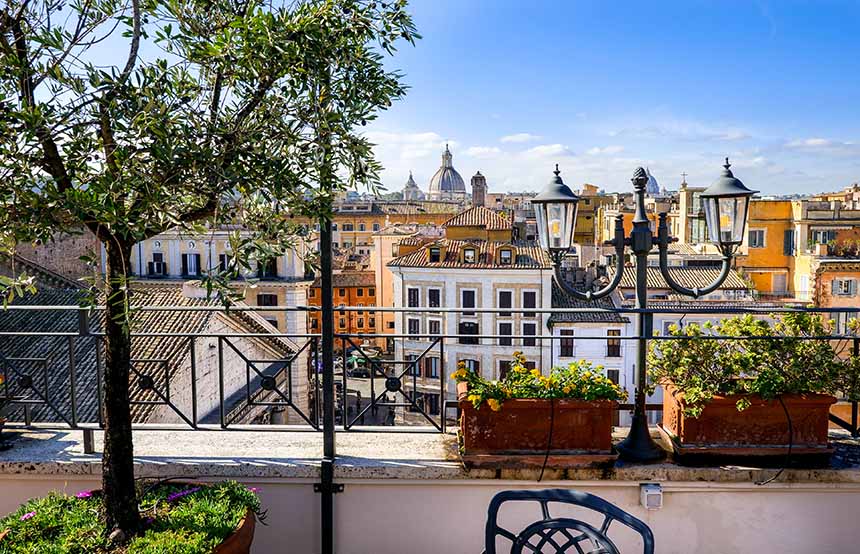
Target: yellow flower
<point x="566" y="390"/>
<point x="495" y="405"/>
<point x="535" y="372"/>
<point x="474" y="397"/>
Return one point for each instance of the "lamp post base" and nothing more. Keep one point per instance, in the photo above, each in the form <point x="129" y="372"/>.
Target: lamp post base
<point x="639" y="446"/>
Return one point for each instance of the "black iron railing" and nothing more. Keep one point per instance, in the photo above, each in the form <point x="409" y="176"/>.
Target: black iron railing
<point x="52" y="377"/>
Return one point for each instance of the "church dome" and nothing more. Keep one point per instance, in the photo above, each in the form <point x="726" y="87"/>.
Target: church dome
<point x="446" y="182"/>
<point x="653" y="187"/>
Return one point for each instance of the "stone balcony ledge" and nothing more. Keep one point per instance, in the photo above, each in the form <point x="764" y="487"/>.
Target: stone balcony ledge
<point x="361" y="456"/>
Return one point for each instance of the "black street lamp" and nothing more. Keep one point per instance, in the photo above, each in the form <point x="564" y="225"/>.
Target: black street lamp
<point x="726" y="207"/>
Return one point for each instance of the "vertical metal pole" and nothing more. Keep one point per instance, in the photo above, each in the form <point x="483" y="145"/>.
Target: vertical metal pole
<point x="329" y="452"/>
<point x="639" y="446"/>
<point x="854" y="431"/>
<point x="443" y="386"/>
<point x="89" y="442"/>
<point x="73" y="382"/>
<point x="193" y="353"/>
<point x="221" y="381"/>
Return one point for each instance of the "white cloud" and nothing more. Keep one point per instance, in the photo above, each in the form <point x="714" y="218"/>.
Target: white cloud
<point x="548" y="151"/>
<point x="483" y="151"/>
<point x="824" y="145"/>
<point x="519" y="137"/>
<point x="598" y="151"/>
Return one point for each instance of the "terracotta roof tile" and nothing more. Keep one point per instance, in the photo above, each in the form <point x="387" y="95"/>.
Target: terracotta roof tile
<point x="528" y="255"/>
<point x="689" y="277"/>
<point x="479" y="216"/>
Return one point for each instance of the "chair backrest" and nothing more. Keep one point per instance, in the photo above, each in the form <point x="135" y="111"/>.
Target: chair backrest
<point x="562" y="535"/>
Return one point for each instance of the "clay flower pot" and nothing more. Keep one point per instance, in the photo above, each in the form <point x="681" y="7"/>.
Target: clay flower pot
<point x="522" y="426"/>
<point x="762" y="428"/>
<point x="240" y="541"/>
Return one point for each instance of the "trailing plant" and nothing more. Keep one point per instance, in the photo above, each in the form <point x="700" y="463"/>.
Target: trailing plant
<point x="580" y="380"/>
<point x="752" y="362"/>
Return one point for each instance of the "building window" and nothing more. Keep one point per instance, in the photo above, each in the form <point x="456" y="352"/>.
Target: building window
<point x="347" y="227"/>
<point x="272" y="321"/>
<point x="434" y="326"/>
<point x="375" y="227"/>
<point x="566" y="343"/>
<point x="157" y="265"/>
<point x="390" y="325"/>
<point x="359" y="292"/>
<point x="468" y="328"/>
<point x="614" y="375"/>
<point x="267" y="269"/>
<point x="613" y="344"/>
<point x="359" y="312"/>
<point x="472" y="365"/>
<point x="360" y="322"/>
<point x="823" y="236"/>
<point x="529" y="301"/>
<point x="469" y="255"/>
<point x="413" y="297"/>
<point x="371" y="322"/>
<point x="223" y="262"/>
<point x="334" y="226"/>
<point x="505" y="257"/>
<point x="341" y="292"/>
<point x="312" y="293"/>
<point x="788" y="242"/>
<point x="267" y="299"/>
<point x="467" y="300"/>
<point x="190" y="265"/>
<point x="314" y="323"/>
<point x="435" y="255"/>
<point x="504" y="368"/>
<point x="341" y="323"/>
<point x="756" y="238"/>
<point x="414" y="366"/>
<point x="505" y="329"/>
<point x="414" y="328"/>
<point x="505" y="301"/>
<point x="434" y="298"/>
<point x="844" y="287"/>
<point x="431" y="403"/>
<point x="529" y="329"/>
<point x="371" y="292"/>
<point x="431" y="368"/>
<point x="362" y="227"/>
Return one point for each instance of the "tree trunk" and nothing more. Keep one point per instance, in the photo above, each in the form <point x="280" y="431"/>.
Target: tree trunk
<point x="120" y="498"/>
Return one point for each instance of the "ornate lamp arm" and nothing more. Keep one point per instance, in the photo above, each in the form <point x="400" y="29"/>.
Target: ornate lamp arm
<point x="663" y="243"/>
<point x="618" y="242"/>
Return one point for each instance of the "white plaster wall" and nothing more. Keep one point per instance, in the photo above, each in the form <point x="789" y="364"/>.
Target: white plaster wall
<point x="418" y="517"/>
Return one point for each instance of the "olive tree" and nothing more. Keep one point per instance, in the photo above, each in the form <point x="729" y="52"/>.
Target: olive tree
<point x="244" y="111"/>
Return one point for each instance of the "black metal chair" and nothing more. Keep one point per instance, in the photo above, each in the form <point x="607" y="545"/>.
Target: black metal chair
<point x="562" y="535"/>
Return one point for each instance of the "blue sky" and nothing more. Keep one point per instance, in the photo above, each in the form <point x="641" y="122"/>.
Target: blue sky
<point x="601" y="87"/>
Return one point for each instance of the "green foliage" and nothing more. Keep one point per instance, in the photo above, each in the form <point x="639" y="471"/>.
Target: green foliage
<point x="702" y="367"/>
<point x="191" y="524"/>
<point x="579" y="380"/>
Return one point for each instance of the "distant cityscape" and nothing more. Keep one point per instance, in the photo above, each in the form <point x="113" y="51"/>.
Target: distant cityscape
<point x="446" y="246"/>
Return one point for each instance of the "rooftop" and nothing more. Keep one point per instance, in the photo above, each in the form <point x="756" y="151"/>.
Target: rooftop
<point x="527" y="255"/>
<point x="689" y="277"/>
<point x="479" y="216"/>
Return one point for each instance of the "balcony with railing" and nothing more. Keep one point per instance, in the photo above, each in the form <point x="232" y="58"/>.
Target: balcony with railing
<point x="249" y="404"/>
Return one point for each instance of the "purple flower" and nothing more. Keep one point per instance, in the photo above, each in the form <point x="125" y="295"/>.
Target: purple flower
<point x="27" y="516"/>
<point x="254" y="490"/>
<point x="84" y="494"/>
<point x="177" y="495"/>
<point x="149" y="521"/>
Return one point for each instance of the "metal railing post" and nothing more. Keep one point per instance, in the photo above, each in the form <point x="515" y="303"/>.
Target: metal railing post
<point x="326" y="487"/>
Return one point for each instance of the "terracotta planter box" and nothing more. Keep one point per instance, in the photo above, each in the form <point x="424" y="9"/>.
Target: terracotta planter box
<point x="762" y="426"/>
<point x="522" y="426"/>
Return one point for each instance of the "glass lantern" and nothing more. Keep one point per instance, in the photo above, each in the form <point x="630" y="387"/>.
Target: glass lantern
<point x="726" y="204"/>
<point x="555" y="214"/>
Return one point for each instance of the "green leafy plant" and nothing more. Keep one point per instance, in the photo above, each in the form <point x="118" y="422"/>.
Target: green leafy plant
<point x="579" y="380"/>
<point x="177" y="518"/>
<point x="793" y="362"/>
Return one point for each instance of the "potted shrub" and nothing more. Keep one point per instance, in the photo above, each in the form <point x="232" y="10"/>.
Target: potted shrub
<point x="190" y="518"/>
<point x="738" y="396"/>
<point x="566" y="412"/>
